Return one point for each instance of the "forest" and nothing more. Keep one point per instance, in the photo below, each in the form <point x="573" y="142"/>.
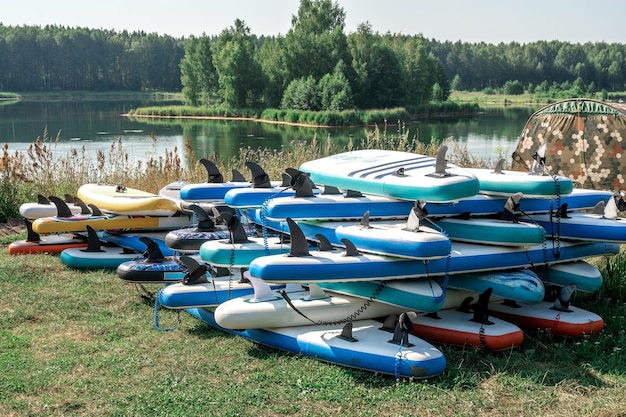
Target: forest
<point x="316" y="65"/>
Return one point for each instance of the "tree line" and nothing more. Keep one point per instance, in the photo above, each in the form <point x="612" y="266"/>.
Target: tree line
<point x="314" y="66"/>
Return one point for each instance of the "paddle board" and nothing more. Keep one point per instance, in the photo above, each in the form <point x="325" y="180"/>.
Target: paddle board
<point x="583" y="275"/>
<point x="402" y="175"/>
<point x="144" y="271"/>
<point x="45" y="244"/>
<point x="582" y="226"/>
<point x="302" y="266"/>
<point x="44" y="208"/>
<point x="267" y="308"/>
<point x="559" y="319"/>
<point x="468" y="325"/>
<point x="503" y="182"/>
<point x="137" y="240"/>
<point x="121" y="200"/>
<point x="361" y="344"/>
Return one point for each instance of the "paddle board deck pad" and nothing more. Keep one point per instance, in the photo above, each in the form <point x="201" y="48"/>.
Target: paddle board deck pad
<point x="47" y="244"/>
<point x="583" y="275"/>
<point x="108" y="257"/>
<point x="582" y="226"/>
<point x="491" y="231"/>
<point x="457" y="327"/>
<point x="579" y="199"/>
<point x="239" y="255"/>
<point x="401" y="175"/>
<point x="336" y="207"/>
<point x="503" y="182"/>
<point x="573" y="322"/>
<point x="364" y="346"/>
<point x="78" y="223"/>
<point x="517" y="284"/>
<point x="121" y="200"/>
<point x="421" y="294"/>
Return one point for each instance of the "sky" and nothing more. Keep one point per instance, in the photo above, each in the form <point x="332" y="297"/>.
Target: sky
<point x="490" y="21"/>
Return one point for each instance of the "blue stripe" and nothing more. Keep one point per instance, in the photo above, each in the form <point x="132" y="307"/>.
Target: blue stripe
<point x="363" y="172"/>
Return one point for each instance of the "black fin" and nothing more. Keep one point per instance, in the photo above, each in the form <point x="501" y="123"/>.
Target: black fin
<point x="324" y="242"/>
<point x="42" y="200"/>
<point x="237" y="232"/>
<point x="83" y="207"/>
<point x="510" y="207"/>
<point x="286" y="180"/>
<point x="329" y="189"/>
<point x="401" y="331"/>
<point x="563" y="211"/>
<point x="238" y="176"/>
<point x="69" y="199"/>
<point x="95" y="211"/>
<point x="466" y="305"/>
<point x="299" y="245"/>
<point x="62" y="208"/>
<point x="365" y="220"/>
<point x="440" y="164"/>
<point x="390" y="323"/>
<point x="31" y="235"/>
<point x="498" y="167"/>
<point x="481" y="308"/>
<point x="346" y="333"/>
<point x="213" y="173"/>
<point x="419" y="207"/>
<point x="353" y="194"/>
<point x="563" y="300"/>
<point x="351" y="250"/>
<point x="300" y="182"/>
<point x="153" y="252"/>
<point x="205" y="223"/>
<point x="93" y="241"/>
<point x="196" y="273"/>
<point x="260" y="179"/>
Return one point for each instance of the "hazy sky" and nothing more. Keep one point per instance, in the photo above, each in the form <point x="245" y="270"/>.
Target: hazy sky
<point x="490" y="21"/>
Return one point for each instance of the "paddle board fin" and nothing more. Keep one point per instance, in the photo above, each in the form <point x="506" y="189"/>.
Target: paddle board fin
<point x="63" y="209"/>
<point x="563" y="211"/>
<point x="205" y="223"/>
<point x="401" y="331"/>
<point x="498" y="168"/>
<point x="416" y="214"/>
<point x="238" y="176"/>
<point x="389" y="324"/>
<point x="441" y="162"/>
<point x="93" y="241"/>
<point x="300" y="182"/>
<point x="286" y="180"/>
<point x="510" y="207"/>
<point x="196" y="273"/>
<point x="95" y="211"/>
<point x="539" y="162"/>
<point x="83" y="207"/>
<point x="324" y="242"/>
<point x="610" y="210"/>
<point x="315" y="293"/>
<point x="153" y="252"/>
<point x="563" y="300"/>
<point x="299" y="245"/>
<point x="365" y="220"/>
<point x="213" y="173"/>
<point x="329" y="189"/>
<point x="353" y="194"/>
<point x="351" y="250"/>
<point x="69" y="199"/>
<point x="31" y="235"/>
<point x="260" y="179"/>
<point x="346" y="333"/>
<point x="42" y="200"/>
<point x="481" y="310"/>
<point x="262" y="290"/>
<point x="237" y="233"/>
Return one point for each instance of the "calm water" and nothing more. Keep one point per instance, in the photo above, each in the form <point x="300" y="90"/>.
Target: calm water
<point x="94" y="125"/>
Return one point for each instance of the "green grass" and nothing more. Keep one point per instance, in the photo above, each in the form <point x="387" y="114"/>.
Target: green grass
<point x="78" y="343"/>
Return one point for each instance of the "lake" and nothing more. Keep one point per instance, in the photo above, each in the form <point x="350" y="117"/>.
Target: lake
<point x="96" y="125"/>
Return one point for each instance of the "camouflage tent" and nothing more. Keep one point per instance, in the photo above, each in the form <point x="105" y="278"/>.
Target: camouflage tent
<point x="584" y="141"/>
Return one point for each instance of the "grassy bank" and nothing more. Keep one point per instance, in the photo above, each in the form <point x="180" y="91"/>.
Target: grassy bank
<point x="84" y="343"/>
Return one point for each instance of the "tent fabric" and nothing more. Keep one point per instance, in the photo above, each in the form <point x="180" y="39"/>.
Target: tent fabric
<point x="584" y="141"/>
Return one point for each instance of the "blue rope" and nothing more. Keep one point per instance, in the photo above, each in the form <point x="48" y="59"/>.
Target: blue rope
<point x="157" y="305"/>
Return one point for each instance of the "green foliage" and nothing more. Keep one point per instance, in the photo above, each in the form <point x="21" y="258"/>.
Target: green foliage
<point x="301" y="94"/>
<point x="513" y="88"/>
